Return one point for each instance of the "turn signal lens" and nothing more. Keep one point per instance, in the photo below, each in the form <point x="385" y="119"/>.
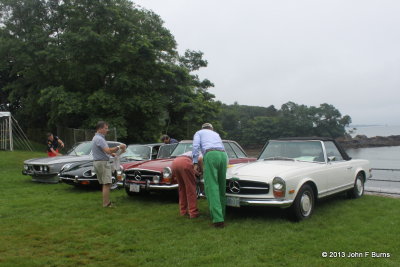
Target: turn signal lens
<point x="167" y="180"/>
<point x="119" y="175"/>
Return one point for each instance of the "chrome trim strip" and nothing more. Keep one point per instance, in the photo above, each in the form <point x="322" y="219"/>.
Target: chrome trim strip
<point x="255" y="188"/>
<point x="335" y="190"/>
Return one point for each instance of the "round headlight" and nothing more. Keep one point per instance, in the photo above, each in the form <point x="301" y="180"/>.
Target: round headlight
<point x="167" y="172"/>
<point x="25" y="167"/>
<point x="279" y="187"/>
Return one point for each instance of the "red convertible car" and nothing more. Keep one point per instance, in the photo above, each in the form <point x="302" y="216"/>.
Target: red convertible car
<point x="156" y="175"/>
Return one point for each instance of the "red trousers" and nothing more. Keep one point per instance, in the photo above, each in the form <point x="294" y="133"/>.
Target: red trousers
<point x="51" y="154"/>
<point x="183" y="171"/>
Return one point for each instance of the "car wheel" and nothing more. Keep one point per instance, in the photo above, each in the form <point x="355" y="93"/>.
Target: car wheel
<point x="200" y="189"/>
<point x="114" y="183"/>
<point x="358" y="190"/>
<point x="303" y="205"/>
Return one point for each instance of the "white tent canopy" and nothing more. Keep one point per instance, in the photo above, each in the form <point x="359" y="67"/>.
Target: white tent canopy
<point x="5" y="114"/>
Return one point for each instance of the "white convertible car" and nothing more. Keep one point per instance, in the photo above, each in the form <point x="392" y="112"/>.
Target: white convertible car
<point x="293" y="173"/>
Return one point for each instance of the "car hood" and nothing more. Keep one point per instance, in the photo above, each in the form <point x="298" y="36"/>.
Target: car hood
<point x="267" y="170"/>
<point x="154" y="165"/>
<point x="57" y="160"/>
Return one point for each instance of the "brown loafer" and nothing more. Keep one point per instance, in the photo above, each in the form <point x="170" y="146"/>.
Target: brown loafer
<point x="219" y="225"/>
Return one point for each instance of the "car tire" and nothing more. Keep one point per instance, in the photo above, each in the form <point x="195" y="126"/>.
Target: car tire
<point x="303" y="205"/>
<point x="358" y="190"/>
<point x="114" y="183"/>
<point x="200" y="190"/>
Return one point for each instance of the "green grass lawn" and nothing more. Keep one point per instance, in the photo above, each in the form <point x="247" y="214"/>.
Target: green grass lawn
<point x="60" y="225"/>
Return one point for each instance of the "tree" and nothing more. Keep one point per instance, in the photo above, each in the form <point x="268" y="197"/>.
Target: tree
<point x="74" y="62"/>
<point x="329" y="122"/>
<point x="255" y="125"/>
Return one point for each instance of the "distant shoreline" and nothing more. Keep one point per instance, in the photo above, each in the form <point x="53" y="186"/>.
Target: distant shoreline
<point x="362" y="141"/>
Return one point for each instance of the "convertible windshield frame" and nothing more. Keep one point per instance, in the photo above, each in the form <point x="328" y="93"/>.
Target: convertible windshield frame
<point x="298" y="150"/>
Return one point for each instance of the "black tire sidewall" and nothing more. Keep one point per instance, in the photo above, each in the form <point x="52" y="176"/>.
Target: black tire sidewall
<point x="297" y="215"/>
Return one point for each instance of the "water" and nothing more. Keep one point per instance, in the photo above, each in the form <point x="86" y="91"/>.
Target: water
<point x="385" y="181"/>
<point x="380" y="158"/>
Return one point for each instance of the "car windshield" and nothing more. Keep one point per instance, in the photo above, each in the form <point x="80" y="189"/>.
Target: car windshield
<point x="293" y="150"/>
<point x="137" y="152"/>
<point x="182" y="148"/>
<point x="166" y="151"/>
<point x="81" y="149"/>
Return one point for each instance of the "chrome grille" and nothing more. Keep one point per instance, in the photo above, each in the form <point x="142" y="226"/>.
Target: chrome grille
<point x="234" y="186"/>
<point x="39" y="168"/>
<point x="141" y="175"/>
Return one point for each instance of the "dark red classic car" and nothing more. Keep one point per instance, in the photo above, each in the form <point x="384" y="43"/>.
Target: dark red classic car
<point x="156" y="175"/>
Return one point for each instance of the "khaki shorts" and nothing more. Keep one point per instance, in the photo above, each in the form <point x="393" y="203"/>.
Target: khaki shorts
<point x="103" y="171"/>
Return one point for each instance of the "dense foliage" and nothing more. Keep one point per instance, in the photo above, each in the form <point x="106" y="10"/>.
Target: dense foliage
<point x="251" y="125"/>
<point x="74" y="62"/>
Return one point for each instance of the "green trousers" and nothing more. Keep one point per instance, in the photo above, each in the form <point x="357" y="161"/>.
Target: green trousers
<point x="215" y="164"/>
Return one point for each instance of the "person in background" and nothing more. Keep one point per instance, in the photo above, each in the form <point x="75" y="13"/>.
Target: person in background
<point x="101" y="160"/>
<point x="215" y="163"/>
<point x="184" y="173"/>
<point x="168" y="140"/>
<point x="53" y="142"/>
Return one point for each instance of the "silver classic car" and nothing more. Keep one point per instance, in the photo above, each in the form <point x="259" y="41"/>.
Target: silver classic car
<point x="293" y="173"/>
<point x="46" y="169"/>
<point x="83" y="174"/>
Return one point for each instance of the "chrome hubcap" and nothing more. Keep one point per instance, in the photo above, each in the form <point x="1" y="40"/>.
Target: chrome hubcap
<point x="306" y="204"/>
<point x="359" y="186"/>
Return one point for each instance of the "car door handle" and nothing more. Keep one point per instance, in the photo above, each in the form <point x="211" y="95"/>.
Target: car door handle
<point x="349" y="168"/>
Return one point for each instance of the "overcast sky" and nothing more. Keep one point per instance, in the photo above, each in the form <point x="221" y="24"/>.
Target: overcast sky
<point x="268" y="52"/>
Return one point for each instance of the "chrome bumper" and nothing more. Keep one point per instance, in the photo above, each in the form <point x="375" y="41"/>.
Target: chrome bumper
<point x="39" y="174"/>
<point x="150" y="187"/>
<point x="77" y="179"/>
<point x="284" y="203"/>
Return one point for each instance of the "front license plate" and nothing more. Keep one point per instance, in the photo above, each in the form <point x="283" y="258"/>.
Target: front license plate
<point x="233" y="201"/>
<point x="134" y="188"/>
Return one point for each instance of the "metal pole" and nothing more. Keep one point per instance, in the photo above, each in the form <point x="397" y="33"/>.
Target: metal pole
<point x="11" y="133"/>
<point x="1" y="135"/>
<point x="23" y="137"/>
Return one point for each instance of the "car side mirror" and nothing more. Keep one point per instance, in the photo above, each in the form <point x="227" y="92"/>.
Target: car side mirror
<point x="331" y="158"/>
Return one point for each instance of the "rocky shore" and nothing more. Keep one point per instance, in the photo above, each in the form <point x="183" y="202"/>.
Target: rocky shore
<point x="360" y="141"/>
